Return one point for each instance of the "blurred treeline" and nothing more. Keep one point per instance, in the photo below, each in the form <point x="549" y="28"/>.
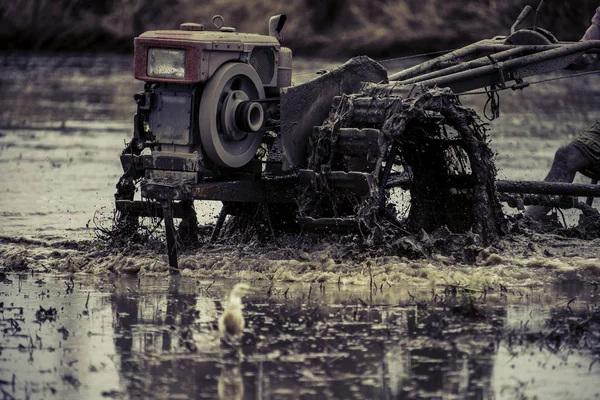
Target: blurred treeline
<point x="324" y="28"/>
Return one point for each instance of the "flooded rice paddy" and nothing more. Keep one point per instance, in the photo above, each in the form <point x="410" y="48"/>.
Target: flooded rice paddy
<point x="79" y="319"/>
<point x="152" y="338"/>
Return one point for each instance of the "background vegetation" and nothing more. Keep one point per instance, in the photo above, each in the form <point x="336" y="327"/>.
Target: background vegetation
<point x="324" y="28"/>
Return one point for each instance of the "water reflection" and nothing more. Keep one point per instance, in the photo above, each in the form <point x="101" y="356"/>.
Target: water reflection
<point x="153" y="338"/>
<point x="154" y="334"/>
<point x="231" y="384"/>
<point x="302" y="345"/>
<point x="456" y="357"/>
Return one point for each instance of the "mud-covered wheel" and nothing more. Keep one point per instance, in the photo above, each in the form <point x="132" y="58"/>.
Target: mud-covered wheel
<point x="230" y="123"/>
<point x="441" y="147"/>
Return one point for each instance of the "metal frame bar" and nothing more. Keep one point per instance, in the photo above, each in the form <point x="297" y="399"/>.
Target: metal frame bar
<point x="513" y="62"/>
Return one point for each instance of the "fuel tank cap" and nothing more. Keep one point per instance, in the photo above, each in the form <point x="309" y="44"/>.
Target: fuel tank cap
<point x="191" y="26"/>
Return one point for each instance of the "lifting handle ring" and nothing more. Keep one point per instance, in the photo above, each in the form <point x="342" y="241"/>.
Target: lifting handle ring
<point x="219" y="21"/>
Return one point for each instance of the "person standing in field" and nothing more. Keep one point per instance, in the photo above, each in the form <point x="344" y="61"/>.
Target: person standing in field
<point x="582" y="154"/>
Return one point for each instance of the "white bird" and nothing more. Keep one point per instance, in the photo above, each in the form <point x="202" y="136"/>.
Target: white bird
<point x="231" y="322"/>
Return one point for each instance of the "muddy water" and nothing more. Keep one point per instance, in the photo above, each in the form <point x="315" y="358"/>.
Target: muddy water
<point x="63" y="122"/>
<point x="153" y="338"/>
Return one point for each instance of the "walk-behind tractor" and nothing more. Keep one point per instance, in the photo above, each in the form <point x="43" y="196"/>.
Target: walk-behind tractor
<point x="220" y="120"/>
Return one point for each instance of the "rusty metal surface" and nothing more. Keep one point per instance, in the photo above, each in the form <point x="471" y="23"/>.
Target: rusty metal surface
<point x="306" y="105"/>
<point x="271" y="191"/>
<point x="553" y="188"/>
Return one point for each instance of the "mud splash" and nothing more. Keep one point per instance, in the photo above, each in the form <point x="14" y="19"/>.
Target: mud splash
<point x="527" y="259"/>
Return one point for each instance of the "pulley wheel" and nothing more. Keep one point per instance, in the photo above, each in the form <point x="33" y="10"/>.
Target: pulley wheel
<point x="228" y="122"/>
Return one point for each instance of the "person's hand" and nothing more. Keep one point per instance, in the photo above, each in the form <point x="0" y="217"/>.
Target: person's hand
<point x="582" y="62"/>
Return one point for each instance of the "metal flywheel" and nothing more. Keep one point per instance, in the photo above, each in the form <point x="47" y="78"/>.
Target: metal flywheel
<point x="230" y="121"/>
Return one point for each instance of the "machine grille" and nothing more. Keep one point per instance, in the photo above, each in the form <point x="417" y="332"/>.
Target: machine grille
<point x="262" y="60"/>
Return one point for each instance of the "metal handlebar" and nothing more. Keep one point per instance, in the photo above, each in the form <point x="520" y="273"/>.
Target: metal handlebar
<point x="537" y="14"/>
<point x="520" y="18"/>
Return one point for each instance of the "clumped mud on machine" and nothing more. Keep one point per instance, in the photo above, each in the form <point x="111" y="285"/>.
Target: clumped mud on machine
<point x="220" y="120"/>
